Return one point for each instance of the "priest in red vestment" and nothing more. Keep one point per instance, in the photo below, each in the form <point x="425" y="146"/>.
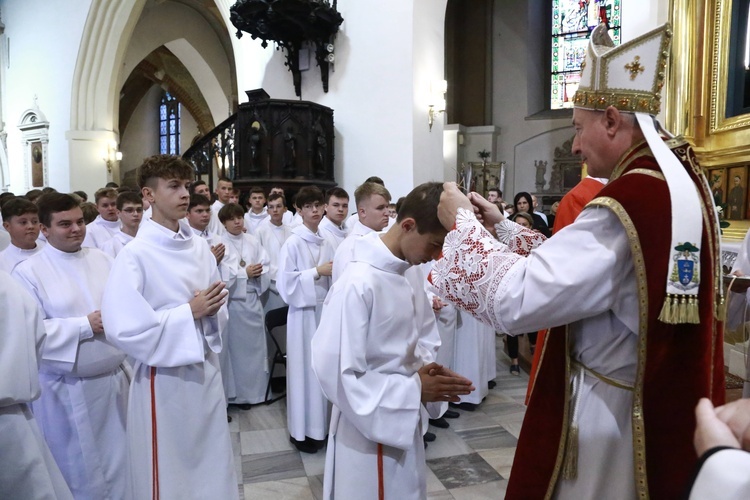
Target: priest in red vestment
<point x="631" y="289"/>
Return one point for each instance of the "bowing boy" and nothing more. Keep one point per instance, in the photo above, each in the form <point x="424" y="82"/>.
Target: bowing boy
<point x="374" y="357"/>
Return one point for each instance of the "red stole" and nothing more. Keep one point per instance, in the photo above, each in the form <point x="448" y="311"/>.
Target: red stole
<point x="677" y="364"/>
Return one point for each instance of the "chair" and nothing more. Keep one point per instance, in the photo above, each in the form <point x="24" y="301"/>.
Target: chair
<point x="274" y="319"/>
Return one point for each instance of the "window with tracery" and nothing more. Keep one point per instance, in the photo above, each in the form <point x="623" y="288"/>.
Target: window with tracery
<point x="572" y="23"/>
<point x="169" y="125"/>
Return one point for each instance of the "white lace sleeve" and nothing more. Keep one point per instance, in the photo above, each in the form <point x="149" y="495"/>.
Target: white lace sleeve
<point x="519" y="239"/>
<point x="472" y="267"/>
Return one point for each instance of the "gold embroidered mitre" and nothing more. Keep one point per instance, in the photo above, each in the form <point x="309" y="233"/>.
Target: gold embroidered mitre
<point x="629" y="77"/>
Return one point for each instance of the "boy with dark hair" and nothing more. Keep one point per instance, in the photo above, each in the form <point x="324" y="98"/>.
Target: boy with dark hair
<point x="246" y="334"/>
<point x="332" y="225"/>
<point x="288" y="215"/>
<point x="130" y="213"/>
<point x="257" y="212"/>
<point x="106" y="225"/>
<point x="235" y="197"/>
<point x="179" y="445"/>
<point x="83" y="195"/>
<point x="303" y="280"/>
<point x="374" y="357"/>
<point x="200" y="187"/>
<point x="83" y="406"/>
<point x="272" y="234"/>
<point x="199" y="217"/>
<point x="21" y="220"/>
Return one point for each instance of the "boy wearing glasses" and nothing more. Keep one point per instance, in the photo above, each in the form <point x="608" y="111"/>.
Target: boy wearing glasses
<point x="130" y="212"/>
<point x="303" y="279"/>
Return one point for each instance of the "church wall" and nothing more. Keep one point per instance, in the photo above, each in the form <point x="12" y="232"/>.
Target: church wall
<point x="188" y="129"/>
<point x="141" y="137"/>
<point x="44" y="38"/>
<point x="382" y="65"/>
<point x="198" y="48"/>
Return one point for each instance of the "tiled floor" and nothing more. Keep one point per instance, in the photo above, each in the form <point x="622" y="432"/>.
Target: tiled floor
<point x="469" y="460"/>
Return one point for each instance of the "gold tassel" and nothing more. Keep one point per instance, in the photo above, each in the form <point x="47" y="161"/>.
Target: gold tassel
<point x="693" y="311"/>
<point x="720" y="309"/>
<point x="666" y="310"/>
<point x="682" y="310"/>
<point x="675" y="310"/>
<point x="570" y="465"/>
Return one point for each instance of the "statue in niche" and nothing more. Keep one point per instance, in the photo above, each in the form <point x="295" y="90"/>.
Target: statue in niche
<point x="290" y="152"/>
<point x="254" y="140"/>
<point x="321" y="147"/>
<point x="541" y="169"/>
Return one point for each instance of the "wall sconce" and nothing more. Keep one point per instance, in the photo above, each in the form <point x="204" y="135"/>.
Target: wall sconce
<point x="437" y="100"/>
<point x="111" y="155"/>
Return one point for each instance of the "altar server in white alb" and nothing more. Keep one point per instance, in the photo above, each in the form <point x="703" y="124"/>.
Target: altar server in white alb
<point x="21" y="220"/>
<point x="303" y="281"/>
<point x="83" y="405"/>
<point x="372" y="207"/>
<point x="246" y="331"/>
<point x="332" y="224"/>
<point x="164" y="306"/>
<point x="106" y="224"/>
<point x="257" y="212"/>
<point x="272" y="234"/>
<point x="130" y="213"/>
<point x="27" y="468"/>
<point x="374" y="354"/>
<point x="224" y="189"/>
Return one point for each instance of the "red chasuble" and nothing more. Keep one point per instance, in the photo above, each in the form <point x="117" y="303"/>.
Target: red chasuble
<point x="677" y="364"/>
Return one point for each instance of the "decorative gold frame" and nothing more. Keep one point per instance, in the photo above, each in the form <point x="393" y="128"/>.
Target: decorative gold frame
<point x="696" y="95"/>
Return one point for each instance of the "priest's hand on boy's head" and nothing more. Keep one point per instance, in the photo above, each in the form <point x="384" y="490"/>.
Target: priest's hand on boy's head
<point x="442" y="384"/>
<point x="487" y="212"/>
<point x="208" y="302"/>
<point x="451" y="200"/>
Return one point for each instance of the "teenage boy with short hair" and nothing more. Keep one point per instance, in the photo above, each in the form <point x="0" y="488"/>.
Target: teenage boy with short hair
<point x="130" y="213"/>
<point x="199" y="217"/>
<point x="106" y="224"/>
<point x="83" y="406"/>
<point x="224" y="188"/>
<point x="272" y="234"/>
<point x="235" y="197"/>
<point x="164" y="305"/>
<point x="258" y="212"/>
<point x="372" y="201"/>
<point x="246" y="333"/>
<point x="374" y="356"/>
<point x="303" y="280"/>
<point x="21" y="220"/>
<point x="337" y="208"/>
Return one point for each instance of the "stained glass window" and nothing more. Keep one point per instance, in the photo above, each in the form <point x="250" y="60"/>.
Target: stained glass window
<point x="169" y="125"/>
<point x="572" y="23"/>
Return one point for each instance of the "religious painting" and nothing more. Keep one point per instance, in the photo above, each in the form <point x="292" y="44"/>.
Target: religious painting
<point x="737" y="193"/>
<point x="485" y="176"/>
<point x="37" y="164"/>
<point x="717" y="179"/>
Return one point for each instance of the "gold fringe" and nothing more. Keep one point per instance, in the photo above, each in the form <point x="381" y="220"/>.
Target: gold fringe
<point x="570" y="466"/>
<point x="680" y="309"/>
<point x="720" y="311"/>
<point x="666" y="310"/>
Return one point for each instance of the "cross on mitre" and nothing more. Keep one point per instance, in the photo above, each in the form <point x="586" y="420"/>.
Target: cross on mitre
<point x="634" y="67"/>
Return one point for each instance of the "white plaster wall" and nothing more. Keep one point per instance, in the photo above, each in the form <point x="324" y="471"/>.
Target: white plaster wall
<point x="141" y="137"/>
<point x="188" y="129"/>
<point x="540" y="147"/>
<point x="43" y="38"/>
<point x="385" y="52"/>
